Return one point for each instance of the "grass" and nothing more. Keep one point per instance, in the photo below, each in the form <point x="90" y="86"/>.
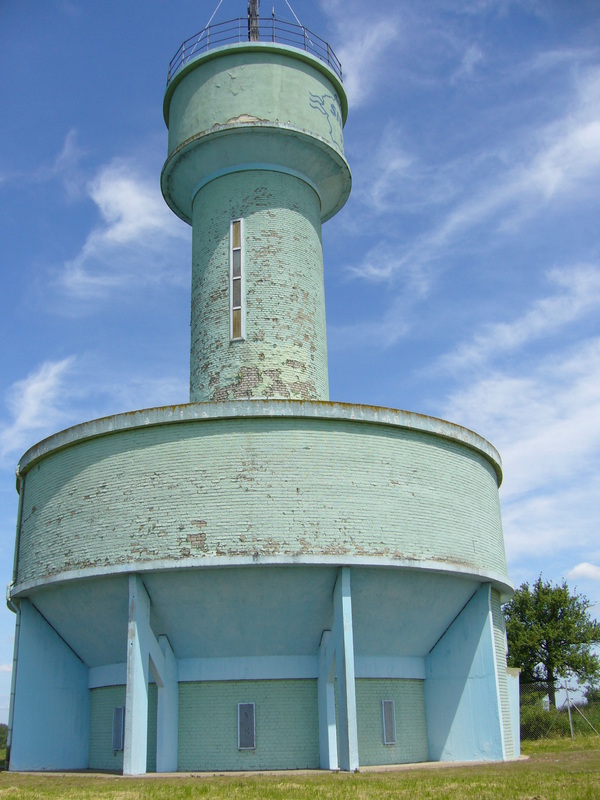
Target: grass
<point x="556" y="770"/>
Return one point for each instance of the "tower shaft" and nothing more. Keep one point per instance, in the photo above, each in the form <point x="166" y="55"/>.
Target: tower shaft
<point x="256" y="164"/>
<point x="267" y="338"/>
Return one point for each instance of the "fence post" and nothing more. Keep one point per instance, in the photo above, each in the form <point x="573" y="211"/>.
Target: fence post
<point x="569" y="710"/>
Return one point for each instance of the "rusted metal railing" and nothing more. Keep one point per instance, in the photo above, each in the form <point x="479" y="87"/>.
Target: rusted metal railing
<point x="270" y="29"/>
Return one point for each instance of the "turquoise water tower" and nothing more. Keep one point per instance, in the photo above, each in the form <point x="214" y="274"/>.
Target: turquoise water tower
<point x="255" y="165"/>
<point x="260" y="578"/>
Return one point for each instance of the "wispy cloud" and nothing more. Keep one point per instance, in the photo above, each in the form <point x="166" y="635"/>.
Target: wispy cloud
<point x="545" y="421"/>
<point x="577" y="294"/>
<point x="552" y="524"/>
<point x="380" y="263"/>
<point x="67" y="167"/>
<point x="365" y="38"/>
<point x="551" y="165"/>
<point x="393" y="180"/>
<point x="133" y="244"/>
<point x="544" y="417"/>
<point x="65" y="392"/>
<point x="385" y="331"/>
<point x="35" y="403"/>
<point x="472" y="56"/>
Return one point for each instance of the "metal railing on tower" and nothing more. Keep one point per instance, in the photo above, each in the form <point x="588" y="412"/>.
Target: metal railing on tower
<point x="264" y="29"/>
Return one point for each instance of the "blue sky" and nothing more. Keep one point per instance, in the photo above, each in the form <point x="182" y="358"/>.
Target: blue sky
<point x="462" y="277"/>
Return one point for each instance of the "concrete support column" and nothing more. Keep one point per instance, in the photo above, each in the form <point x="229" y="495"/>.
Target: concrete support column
<point x="167" y="712"/>
<point x="50" y="717"/>
<point x="326" y="702"/>
<point x="462" y="705"/>
<point x="344" y="661"/>
<point x="336" y="661"/>
<point x="136" y="697"/>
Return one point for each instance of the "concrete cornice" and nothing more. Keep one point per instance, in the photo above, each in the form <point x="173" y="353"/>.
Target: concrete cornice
<point x="239" y="410"/>
<point x="443" y="567"/>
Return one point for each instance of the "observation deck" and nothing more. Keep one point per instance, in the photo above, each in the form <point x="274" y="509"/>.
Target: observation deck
<point x="267" y="29"/>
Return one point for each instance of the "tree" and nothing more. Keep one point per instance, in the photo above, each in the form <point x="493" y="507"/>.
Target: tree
<point x="550" y="634"/>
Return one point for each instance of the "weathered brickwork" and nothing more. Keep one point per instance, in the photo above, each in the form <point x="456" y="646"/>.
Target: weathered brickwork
<point x="284" y="354"/>
<point x="285" y="487"/>
<point x="411" y="730"/>
<point x="500" y="647"/>
<point x="261" y="87"/>
<point x="287" y="735"/>
<point x="103" y="702"/>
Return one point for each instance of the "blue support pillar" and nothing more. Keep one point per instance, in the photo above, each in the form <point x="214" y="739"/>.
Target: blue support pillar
<point x="326" y="702"/>
<point x="462" y="705"/>
<point x="50" y="717"/>
<point x="336" y="661"/>
<point x="344" y="662"/>
<point x="167" y="711"/>
<point x="136" y="697"/>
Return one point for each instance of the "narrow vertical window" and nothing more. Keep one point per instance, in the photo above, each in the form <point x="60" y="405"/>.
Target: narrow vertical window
<point x="246" y="730"/>
<point x="388" y="713"/>
<point x="118" y="727"/>
<point x="236" y="280"/>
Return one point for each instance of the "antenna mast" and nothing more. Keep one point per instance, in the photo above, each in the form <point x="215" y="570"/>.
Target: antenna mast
<point x="253" y="32"/>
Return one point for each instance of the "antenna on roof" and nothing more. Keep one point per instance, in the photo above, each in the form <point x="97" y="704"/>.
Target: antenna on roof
<point x="253" y="32"/>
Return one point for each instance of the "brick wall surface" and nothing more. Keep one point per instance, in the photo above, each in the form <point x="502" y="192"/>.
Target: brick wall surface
<point x="286" y="716"/>
<point x="500" y="652"/>
<point x="284" y="354"/>
<point x="103" y="701"/>
<point x="259" y="486"/>
<point x="240" y="88"/>
<point x="411" y="731"/>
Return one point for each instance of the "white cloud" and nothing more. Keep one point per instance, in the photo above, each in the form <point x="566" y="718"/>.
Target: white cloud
<point x="552" y="524"/>
<point x="365" y="41"/>
<point x="62" y="393"/>
<point x="385" y="331"/>
<point x="585" y="570"/>
<point x="5" y="667"/>
<point x="578" y="294"/>
<point x="392" y="180"/>
<point x="543" y="415"/>
<point x="66" y="167"/>
<point x="147" y="392"/>
<point x="380" y="263"/>
<point x="472" y="56"/>
<point x="546" y="423"/>
<point x="554" y="164"/>
<point x="35" y="403"/>
<point x="134" y="244"/>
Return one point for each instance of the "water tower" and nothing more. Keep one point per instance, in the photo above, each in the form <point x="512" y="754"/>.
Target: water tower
<point x="259" y="579"/>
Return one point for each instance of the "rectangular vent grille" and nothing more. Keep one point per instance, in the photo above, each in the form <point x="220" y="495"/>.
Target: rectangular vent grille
<point x="388" y="712"/>
<point x="246" y="729"/>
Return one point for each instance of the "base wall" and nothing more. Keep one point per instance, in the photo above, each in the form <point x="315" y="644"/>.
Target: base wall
<point x="103" y="701"/>
<point x="287" y="733"/>
<point x="411" y="730"/>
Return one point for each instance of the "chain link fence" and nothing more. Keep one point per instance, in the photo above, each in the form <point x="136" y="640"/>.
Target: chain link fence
<point x="563" y="712"/>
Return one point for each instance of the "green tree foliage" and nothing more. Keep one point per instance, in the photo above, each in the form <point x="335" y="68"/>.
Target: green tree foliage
<point x="550" y="634"/>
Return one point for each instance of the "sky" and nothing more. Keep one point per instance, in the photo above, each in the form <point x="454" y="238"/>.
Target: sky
<point x="462" y="276"/>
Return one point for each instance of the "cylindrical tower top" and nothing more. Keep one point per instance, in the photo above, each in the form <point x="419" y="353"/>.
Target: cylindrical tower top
<point x="288" y="102"/>
<point x="256" y="164"/>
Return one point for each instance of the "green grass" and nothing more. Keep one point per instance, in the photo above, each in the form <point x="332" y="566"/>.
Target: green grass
<point x="556" y="770"/>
